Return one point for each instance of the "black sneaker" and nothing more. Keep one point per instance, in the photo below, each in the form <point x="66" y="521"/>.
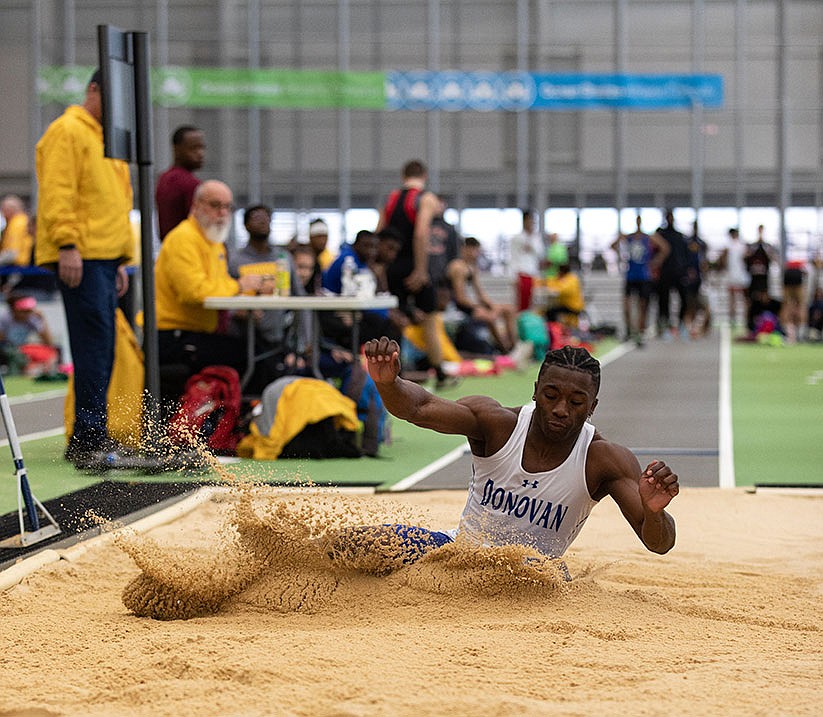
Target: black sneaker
<point x="104" y="461"/>
<point x="76" y="452"/>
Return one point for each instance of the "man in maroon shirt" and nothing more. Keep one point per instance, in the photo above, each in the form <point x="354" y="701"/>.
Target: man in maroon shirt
<point x="175" y="187"/>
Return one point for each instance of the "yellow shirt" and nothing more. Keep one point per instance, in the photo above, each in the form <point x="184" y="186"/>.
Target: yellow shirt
<point x="84" y="197"/>
<point x="16" y="238"/>
<point x="188" y="269"/>
<point x="567" y="292"/>
<point x="325" y="259"/>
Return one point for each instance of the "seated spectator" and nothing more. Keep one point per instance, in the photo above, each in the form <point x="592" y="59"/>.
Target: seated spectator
<point x="32" y="280"/>
<point x="339" y="365"/>
<point x="363" y="253"/>
<point x="26" y="343"/>
<point x="275" y="265"/>
<point x="15" y="240"/>
<point x="191" y="266"/>
<point x="318" y="241"/>
<point x="565" y="297"/>
<point x="463" y="277"/>
<point x="335" y="326"/>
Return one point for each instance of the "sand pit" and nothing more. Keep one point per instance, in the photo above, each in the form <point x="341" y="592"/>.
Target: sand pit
<point x="728" y="623"/>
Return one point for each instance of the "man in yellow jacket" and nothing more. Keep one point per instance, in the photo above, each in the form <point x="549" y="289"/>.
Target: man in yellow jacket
<point x="192" y="265"/>
<point x="83" y="233"/>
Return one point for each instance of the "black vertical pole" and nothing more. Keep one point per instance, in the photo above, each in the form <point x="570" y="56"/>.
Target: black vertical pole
<point x="145" y="160"/>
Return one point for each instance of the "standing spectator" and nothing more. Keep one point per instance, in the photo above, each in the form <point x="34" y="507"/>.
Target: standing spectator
<point x="638" y="248"/>
<point x="444" y="244"/>
<point x="15" y="241"/>
<point x="759" y="258"/>
<point x="733" y="261"/>
<point x="525" y="251"/>
<point x="83" y="230"/>
<point x="175" y="187"/>
<point x="191" y="266"/>
<point x="791" y="311"/>
<point x="696" y="302"/>
<point x="815" y="316"/>
<point x="672" y="273"/>
<point x="409" y="211"/>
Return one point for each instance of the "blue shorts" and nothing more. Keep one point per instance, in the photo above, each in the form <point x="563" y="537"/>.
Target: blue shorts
<point x="421" y="540"/>
<point x="414" y="542"/>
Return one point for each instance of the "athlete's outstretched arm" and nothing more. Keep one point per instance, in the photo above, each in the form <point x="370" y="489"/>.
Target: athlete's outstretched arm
<point x="413" y="403"/>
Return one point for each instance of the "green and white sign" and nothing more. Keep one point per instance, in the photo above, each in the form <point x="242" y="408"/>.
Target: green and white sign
<point x="230" y="87"/>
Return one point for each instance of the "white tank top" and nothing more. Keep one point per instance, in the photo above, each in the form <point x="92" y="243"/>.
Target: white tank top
<point x="507" y="504"/>
<point x="736" y="273"/>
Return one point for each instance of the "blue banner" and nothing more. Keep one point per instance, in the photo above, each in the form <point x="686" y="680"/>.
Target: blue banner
<point x="517" y="91"/>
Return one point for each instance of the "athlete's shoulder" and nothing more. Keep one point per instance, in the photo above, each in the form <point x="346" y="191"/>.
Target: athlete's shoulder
<point x="479" y="401"/>
<point x="607" y="460"/>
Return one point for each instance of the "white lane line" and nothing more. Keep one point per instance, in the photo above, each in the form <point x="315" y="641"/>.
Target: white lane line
<point x="433" y="467"/>
<point x="452" y="456"/>
<point x="34" y="436"/>
<point x="725" y="439"/>
<point x="35" y="397"/>
<point x="617" y="352"/>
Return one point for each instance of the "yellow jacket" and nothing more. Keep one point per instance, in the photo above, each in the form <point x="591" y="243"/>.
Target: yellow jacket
<point x="16" y="238"/>
<point x="84" y="198"/>
<point x="188" y="269"/>
<point x="567" y="291"/>
<point x="304" y="401"/>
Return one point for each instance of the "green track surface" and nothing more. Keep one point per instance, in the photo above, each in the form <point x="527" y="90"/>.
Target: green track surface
<point x="777" y="414"/>
<point x="20" y="386"/>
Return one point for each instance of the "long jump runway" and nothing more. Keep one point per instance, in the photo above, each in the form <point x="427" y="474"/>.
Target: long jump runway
<point x="662" y="401"/>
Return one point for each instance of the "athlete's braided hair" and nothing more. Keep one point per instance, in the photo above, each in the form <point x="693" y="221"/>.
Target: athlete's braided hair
<point x="574" y="358"/>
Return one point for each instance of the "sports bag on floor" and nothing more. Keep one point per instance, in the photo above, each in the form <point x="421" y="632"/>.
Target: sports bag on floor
<point x="209" y="411"/>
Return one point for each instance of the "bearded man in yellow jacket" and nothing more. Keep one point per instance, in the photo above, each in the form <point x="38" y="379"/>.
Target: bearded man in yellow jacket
<point x="192" y="265"/>
<point x="83" y="233"/>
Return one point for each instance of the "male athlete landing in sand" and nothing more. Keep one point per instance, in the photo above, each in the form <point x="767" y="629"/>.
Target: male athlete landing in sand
<point x="539" y="469"/>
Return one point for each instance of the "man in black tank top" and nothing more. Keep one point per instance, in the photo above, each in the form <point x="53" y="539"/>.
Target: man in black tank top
<point x="409" y="212"/>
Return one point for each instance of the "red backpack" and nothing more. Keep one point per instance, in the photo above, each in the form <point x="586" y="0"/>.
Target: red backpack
<point x="209" y="411"/>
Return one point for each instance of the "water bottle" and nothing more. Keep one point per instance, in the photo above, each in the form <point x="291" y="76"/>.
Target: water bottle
<point x="349" y="284"/>
<point x="283" y="277"/>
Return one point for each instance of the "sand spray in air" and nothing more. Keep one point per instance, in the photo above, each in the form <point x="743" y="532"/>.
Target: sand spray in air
<point x="294" y="551"/>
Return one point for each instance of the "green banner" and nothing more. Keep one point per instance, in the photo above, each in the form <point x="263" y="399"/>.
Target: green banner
<point x="229" y="87"/>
